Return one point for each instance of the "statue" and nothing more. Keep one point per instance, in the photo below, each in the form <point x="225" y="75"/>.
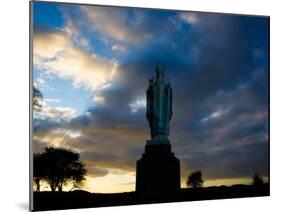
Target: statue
<point x="158" y="170"/>
<point x="159" y="107"/>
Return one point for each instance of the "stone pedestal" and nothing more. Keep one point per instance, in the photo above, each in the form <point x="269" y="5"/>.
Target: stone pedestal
<point x="158" y="173"/>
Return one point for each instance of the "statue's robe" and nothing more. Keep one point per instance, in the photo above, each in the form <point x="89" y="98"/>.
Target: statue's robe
<point x="159" y="108"/>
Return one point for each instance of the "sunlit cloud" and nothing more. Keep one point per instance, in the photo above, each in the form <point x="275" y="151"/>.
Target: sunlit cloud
<point x="48" y="44"/>
<point x="57" y="113"/>
<point x="112" y="23"/>
<point x="68" y="132"/>
<point x="98" y="99"/>
<point x="70" y="62"/>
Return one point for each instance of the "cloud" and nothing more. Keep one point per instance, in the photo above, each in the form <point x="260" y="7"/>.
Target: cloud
<point x="84" y="69"/>
<point x="99" y="99"/>
<point x="68" y="132"/>
<point x="48" y="44"/>
<point x="137" y="104"/>
<point x="96" y="172"/>
<point x="231" y="162"/>
<point x="189" y="17"/>
<point x="215" y="115"/>
<point x="118" y="47"/>
<point x="52" y="100"/>
<point x="67" y="61"/>
<point x="71" y="28"/>
<point x="58" y="112"/>
<point x="54" y="113"/>
<point x="113" y="23"/>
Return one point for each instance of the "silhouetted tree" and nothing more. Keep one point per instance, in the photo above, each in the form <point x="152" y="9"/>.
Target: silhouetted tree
<point x="257" y="180"/>
<point x="58" y="167"/>
<point x="38" y="170"/>
<point x="195" y="179"/>
<point x="37" y="98"/>
<point x="63" y="167"/>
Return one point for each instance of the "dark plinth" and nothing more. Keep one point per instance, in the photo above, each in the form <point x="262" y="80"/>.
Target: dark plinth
<point x="158" y="173"/>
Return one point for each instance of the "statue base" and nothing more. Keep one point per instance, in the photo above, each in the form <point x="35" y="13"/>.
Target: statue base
<point x="158" y="173"/>
<point x="158" y="142"/>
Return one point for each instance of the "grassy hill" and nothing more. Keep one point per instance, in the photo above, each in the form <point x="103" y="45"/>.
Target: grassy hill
<point x="83" y="199"/>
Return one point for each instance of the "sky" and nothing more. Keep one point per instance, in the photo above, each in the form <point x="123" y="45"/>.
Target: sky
<point x="93" y="65"/>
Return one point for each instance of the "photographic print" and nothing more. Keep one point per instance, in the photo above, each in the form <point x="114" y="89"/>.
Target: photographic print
<point x="138" y="106"/>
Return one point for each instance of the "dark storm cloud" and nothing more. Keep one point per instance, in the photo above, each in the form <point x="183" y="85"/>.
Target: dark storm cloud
<point x="96" y="172"/>
<point x="44" y="125"/>
<point x="231" y="162"/>
<point x="217" y="66"/>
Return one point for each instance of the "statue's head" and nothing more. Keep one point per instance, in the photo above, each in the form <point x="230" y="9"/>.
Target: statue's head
<point x="160" y="70"/>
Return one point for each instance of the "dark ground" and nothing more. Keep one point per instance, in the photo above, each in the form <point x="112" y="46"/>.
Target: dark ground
<point x="83" y="199"/>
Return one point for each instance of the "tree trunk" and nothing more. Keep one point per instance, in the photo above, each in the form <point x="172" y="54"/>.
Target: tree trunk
<point x="38" y="186"/>
<point x="60" y="187"/>
<point x="37" y="183"/>
<point x="53" y="186"/>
